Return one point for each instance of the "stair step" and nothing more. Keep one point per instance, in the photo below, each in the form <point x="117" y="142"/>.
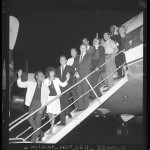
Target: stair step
<point x="78" y="117"/>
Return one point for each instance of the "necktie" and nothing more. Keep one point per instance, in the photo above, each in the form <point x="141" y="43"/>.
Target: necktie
<point x="62" y="70"/>
<point x="81" y="57"/>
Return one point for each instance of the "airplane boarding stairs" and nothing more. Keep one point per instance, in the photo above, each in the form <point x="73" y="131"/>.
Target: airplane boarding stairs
<point x="78" y="117"/>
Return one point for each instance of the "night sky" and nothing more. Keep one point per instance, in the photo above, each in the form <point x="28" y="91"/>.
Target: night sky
<point x="45" y="34"/>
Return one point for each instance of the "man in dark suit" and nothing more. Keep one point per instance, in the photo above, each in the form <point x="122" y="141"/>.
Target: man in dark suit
<point x="82" y="67"/>
<point x="64" y="99"/>
<point x="119" y="59"/>
<point x="98" y="60"/>
<point x="89" y="49"/>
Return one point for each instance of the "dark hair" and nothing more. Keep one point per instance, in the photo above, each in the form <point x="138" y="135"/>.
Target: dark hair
<point x="109" y="34"/>
<point x="82" y="44"/>
<point x="74" y="49"/>
<point x="63" y="56"/>
<point x="85" y="39"/>
<point x="96" y="39"/>
<point x="112" y="26"/>
<point x="48" y="70"/>
<point x="36" y="73"/>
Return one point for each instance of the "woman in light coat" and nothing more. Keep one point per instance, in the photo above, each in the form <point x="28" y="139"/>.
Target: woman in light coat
<point x="54" y="87"/>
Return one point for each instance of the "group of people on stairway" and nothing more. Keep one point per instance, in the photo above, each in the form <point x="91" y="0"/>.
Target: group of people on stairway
<point x="71" y="71"/>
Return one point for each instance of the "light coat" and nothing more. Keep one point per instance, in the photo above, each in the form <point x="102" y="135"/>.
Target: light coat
<point x="57" y="83"/>
<point x="31" y="86"/>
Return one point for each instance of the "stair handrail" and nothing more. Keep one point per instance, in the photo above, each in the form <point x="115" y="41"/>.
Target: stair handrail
<point x="42" y="107"/>
<point x="70" y="104"/>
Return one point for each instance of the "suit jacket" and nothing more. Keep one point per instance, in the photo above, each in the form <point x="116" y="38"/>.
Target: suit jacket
<point x="31" y="86"/>
<point x="83" y="67"/>
<point x="117" y="39"/>
<point x="68" y="69"/>
<point x="91" y="50"/>
<point x="99" y="58"/>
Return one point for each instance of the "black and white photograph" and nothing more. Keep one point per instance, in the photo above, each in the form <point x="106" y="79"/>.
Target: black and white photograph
<point x="72" y="74"/>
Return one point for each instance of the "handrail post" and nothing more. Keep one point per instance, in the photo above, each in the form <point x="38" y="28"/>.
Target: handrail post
<point x="92" y="88"/>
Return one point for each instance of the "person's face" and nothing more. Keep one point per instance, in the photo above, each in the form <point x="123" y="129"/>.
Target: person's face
<point x="112" y="29"/>
<point x="40" y="76"/>
<point x="95" y="42"/>
<point x="52" y="74"/>
<point x="83" y="49"/>
<point x="85" y="41"/>
<point x="63" y="61"/>
<point x="121" y="30"/>
<point x="73" y="53"/>
<point x="106" y="36"/>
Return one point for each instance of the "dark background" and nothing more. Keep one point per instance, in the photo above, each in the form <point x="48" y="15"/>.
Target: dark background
<point x="49" y="29"/>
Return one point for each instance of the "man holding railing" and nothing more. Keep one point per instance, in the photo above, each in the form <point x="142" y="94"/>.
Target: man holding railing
<point x="110" y="51"/>
<point x="36" y="96"/>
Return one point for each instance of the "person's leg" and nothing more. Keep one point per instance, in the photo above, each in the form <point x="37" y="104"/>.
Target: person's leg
<point x="118" y="63"/>
<point x="31" y="119"/>
<point x="36" y="134"/>
<point x="86" y="97"/>
<point x="103" y="75"/>
<point x="124" y="69"/>
<point x="52" y="122"/>
<point x="115" y="74"/>
<point x="63" y="114"/>
<point x="74" y="94"/>
<point x="109" y="69"/>
<point x="94" y="80"/>
<point x="80" y="92"/>
<point x="68" y="102"/>
<point x="38" y="120"/>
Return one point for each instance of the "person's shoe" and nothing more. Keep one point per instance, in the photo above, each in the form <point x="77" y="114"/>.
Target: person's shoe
<point x="90" y="97"/>
<point x="105" y="89"/>
<point x="40" y="137"/>
<point x="70" y="116"/>
<point x="105" y="85"/>
<point x="51" y="131"/>
<point x="61" y="124"/>
<point x="77" y="110"/>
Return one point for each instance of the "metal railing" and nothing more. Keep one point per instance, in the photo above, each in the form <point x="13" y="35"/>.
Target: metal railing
<point x="18" y="119"/>
<point x="85" y="78"/>
<point x="26" y="130"/>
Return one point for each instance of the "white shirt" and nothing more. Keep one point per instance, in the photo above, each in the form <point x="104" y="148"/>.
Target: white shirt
<point x="70" y="61"/>
<point x="82" y="55"/>
<point x="96" y="47"/>
<point x="88" y="47"/>
<point x="109" y="46"/>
